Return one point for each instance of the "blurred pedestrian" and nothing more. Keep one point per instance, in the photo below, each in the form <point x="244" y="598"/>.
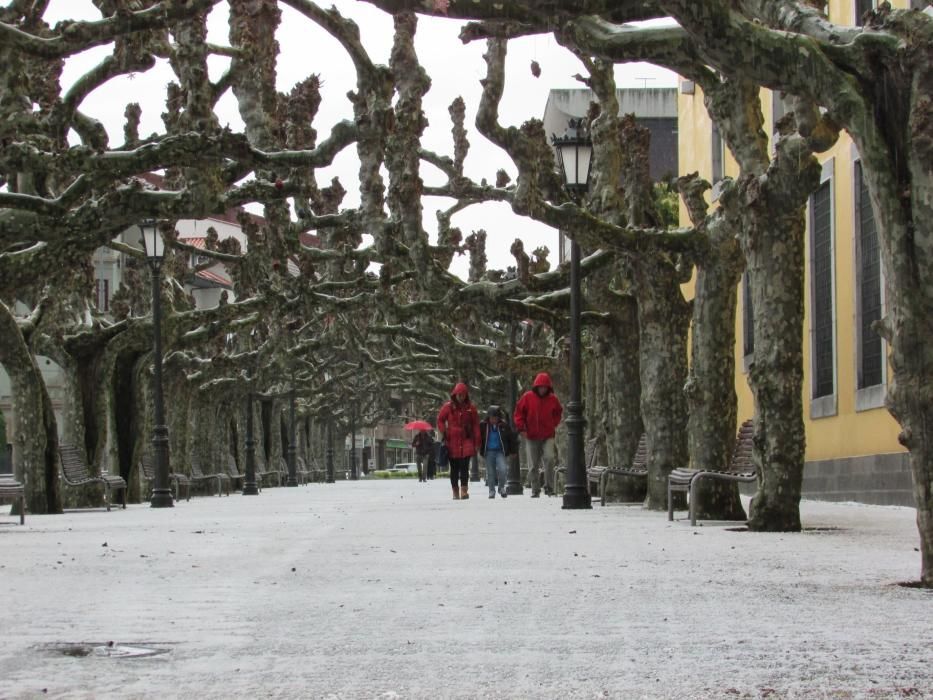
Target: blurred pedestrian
<point x="537" y="415"/>
<point x="423" y="445"/>
<point x="497" y="444"/>
<point x="458" y="426"/>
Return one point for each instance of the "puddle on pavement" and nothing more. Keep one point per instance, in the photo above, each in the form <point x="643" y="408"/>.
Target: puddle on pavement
<point x="128" y="650"/>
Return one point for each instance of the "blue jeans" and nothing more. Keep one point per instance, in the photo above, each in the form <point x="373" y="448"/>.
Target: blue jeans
<point x="497" y="470"/>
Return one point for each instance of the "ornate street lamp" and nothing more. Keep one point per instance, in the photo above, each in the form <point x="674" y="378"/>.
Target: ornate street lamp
<point x="329" y="452"/>
<point x="292" y="479"/>
<point x="154" y="247"/>
<point x="354" y="475"/>
<point x="513" y="487"/>
<point x="574" y="154"/>
<point x="250" y="485"/>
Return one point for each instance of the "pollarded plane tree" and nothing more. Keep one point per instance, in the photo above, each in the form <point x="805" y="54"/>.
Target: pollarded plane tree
<point x="763" y="209"/>
<point x="873" y="81"/>
<point x="61" y="202"/>
<point x="876" y="82"/>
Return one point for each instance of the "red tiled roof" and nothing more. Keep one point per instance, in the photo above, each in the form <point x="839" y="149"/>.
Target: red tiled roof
<point x="198" y="243"/>
<point x="215" y="277"/>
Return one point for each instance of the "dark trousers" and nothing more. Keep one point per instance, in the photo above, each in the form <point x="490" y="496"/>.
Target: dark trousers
<point x="422" y="461"/>
<point x="459" y="471"/>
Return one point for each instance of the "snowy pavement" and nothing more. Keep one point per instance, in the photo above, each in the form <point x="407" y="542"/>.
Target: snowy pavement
<point x="389" y="589"/>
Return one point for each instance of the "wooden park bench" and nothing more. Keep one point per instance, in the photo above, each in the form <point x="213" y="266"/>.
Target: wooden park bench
<point x="741" y="468"/>
<point x="263" y="471"/>
<point x="302" y="470"/>
<point x="234" y="473"/>
<point x="283" y="471"/>
<point x="76" y="473"/>
<point x="13" y="490"/>
<point x="590" y="451"/>
<point x="638" y="469"/>
<point x="147" y="467"/>
<point x="317" y="472"/>
<point x="198" y="475"/>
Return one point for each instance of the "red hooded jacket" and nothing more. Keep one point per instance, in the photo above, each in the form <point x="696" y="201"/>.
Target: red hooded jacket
<point x="460" y="424"/>
<point x="538" y="416"/>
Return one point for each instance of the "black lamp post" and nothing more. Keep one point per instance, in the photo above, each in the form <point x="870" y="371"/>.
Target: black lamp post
<point x="292" y="479"/>
<point x="574" y="154"/>
<point x="329" y="453"/>
<point x="354" y="475"/>
<point x="154" y="247"/>
<point x="250" y="487"/>
<point x="513" y="487"/>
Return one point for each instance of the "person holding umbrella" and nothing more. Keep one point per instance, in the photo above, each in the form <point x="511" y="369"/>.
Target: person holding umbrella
<point x="423" y="444"/>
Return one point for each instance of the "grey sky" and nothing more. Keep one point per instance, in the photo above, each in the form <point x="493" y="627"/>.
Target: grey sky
<point x="455" y="70"/>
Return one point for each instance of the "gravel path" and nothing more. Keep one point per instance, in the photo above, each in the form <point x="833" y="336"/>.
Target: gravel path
<point x="388" y="589"/>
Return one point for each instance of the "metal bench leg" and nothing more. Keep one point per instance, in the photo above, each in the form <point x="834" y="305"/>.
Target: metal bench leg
<point x="124" y="496"/>
<point x="22" y="510"/>
<point x="670" y="501"/>
<point x="693" y="500"/>
<point x="107" y="495"/>
<point x="603" y="483"/>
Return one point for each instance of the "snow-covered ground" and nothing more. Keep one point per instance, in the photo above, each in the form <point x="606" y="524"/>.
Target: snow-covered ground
<point x="389" y="589"/>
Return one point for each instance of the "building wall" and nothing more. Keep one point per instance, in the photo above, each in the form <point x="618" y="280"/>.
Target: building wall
<point x="852" y="449"/>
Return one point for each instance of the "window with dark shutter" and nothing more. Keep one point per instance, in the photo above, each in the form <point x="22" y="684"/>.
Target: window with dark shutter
<point x="748" y="318"/>
<point x="717" y="154"/>
<point x="861" y="7"/>
<point x="821" y="279"/>
<point x="868" y="268"/>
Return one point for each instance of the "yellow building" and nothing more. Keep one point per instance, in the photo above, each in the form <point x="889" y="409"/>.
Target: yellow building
<point x="852" y="448"/>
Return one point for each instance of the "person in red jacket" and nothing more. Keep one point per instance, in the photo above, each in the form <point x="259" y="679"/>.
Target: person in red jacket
<point x="537" y="415"/>
<point x="458" y="425"/>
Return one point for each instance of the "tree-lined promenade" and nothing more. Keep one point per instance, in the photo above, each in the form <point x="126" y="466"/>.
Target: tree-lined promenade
<point x="373" y="318"/>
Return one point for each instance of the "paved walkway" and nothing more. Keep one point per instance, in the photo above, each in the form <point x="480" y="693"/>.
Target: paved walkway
<point x="388" y="589"/>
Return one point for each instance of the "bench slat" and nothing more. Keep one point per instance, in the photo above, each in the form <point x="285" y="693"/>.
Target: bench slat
<point x="741" y="468"/>
<point x="75" y="472"/>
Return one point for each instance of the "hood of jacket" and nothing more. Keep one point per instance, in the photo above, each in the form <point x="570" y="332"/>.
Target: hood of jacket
<point x="460" y="388"/>
<point x="543" y="379"/>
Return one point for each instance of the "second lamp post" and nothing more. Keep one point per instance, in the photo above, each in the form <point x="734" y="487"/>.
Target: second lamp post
<point x="574" y="153"/>
<point x="154" y="247"/>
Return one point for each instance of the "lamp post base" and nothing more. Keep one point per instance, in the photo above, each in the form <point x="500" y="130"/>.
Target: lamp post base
<point x="161" y="498"/>
<point x="250" y="489"/>
<point x="577" y="500"/>
<point x="291" y="481"/>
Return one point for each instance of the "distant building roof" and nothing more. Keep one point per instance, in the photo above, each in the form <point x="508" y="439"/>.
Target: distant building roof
<point x="654" y="108"/>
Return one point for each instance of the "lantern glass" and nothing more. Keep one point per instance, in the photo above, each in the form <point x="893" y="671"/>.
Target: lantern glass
<point x="575" y="158"/>
<point x="574" y="155"/>
<point x="152" y="240"/>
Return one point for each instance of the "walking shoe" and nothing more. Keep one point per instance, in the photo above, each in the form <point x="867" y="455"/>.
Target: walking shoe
<point x="464" y="493"/>
<point x="502" y="493"/>
<point x="456" y="494"/>
<point x="492" y="494"/>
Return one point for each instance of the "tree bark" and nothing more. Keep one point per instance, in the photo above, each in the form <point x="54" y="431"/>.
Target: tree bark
<point x="33" y="430"/>
<point x="663" y="320"/>
<point x="710" y="387"/>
